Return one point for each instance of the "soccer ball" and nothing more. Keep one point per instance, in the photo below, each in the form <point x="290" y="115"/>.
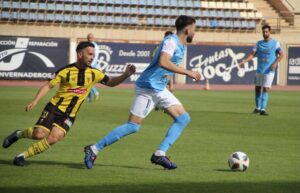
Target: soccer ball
<point x="238" y="161"/>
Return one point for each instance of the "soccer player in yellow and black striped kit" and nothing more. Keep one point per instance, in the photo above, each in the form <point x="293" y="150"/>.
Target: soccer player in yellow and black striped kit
<point x="76" y="81"/>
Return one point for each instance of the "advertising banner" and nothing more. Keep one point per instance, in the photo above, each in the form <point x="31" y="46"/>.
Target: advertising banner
<point x="31" y="58"/>
<point x="293" y="73"/>
<point x="114" y="57"/>
<point x="219" y="64"/>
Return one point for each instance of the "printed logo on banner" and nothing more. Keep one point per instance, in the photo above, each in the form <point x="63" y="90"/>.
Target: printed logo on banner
<point x="18" y="54"/>
<point x="209" y="67"/>
<point x="113" y="58"/>
<point x="32" y="57"/>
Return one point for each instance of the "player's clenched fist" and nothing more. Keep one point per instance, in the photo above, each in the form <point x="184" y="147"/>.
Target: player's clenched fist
<point x="30" y="106"/>
<point x="130" y="69"/>
<point x="195" y="75"/>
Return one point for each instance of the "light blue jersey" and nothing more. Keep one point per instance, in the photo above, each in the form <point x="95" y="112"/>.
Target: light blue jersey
<point x="95" y="60"/>
<point x="154" y="77"/>
<point x="266" y="52"/>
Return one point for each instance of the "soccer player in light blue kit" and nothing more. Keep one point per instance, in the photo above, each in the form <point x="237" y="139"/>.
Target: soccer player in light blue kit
<point x="269" y="54"/>
<point x="94" y="94"/>
<point x="151" y="91"/>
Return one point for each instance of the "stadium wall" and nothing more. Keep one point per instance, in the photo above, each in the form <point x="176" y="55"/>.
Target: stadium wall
<point x="136" y="35"/>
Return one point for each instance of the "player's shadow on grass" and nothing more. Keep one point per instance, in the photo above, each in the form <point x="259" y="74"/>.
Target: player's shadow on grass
<point x="161" y="187"/>
<point x="225" y="112"/>
<point x="71" y="165"/>
<point x="223" y="170"/>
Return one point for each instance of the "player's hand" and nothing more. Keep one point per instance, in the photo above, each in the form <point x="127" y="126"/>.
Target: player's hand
<point x="195" y="75"/>
<point x="241" y="64"/>
<point x="274" y="66"/>
<point x="30" y="106"/>
<point x="130" y="69"/>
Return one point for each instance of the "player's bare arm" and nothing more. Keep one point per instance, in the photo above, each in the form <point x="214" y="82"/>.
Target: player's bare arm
<point x="249" y="57"/>
<point x="170" y="84"/>
<point x="279" y="58"/>
<point x="166" y="63"/>
<point x="41" y="93"/>
<point x="114" y="81"/>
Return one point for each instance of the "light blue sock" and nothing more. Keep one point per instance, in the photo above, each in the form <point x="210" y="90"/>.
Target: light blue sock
<point x="175" y="131"/>
<point x="117" y="133"/>
<point x="258" y="99"/>
<point x="264" y="100"/>
<point x="95" y="91"/>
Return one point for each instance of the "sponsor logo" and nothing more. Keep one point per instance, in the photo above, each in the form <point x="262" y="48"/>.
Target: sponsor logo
<point x="77" y="90"/>
<point x="210" y="66"/>
<point x="68" y="122"/>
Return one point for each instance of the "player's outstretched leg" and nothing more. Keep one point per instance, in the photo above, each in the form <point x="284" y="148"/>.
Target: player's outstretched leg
<point x="40" y="146"/>
<point x="91" y="151"/>
<point x="16" y="135"/>
<point x="159" y="157"/>
<point x="95" y="93"/>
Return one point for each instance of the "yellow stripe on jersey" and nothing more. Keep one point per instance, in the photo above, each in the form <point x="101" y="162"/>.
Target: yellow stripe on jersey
<point x="75" y="85"/>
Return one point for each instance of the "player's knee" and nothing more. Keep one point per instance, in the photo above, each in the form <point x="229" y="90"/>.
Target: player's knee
<point x="54" y="138"/>
<point x="133" y="127"/>
<point x="183" y="119"/>
<point x="39" y="133"/>
<point x="265" y="89"/>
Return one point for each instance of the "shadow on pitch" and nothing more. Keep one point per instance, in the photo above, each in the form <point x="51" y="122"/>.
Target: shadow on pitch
<point x="223" y="170"/>
<point x="31" y="163"/>
<point x="164" y="187"/>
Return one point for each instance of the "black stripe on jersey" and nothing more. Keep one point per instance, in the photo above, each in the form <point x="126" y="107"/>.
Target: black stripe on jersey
<point x="81" y="76"/>
<point x="60" y="101"/>
<point x="72" y="105"/>
<point x="93" y="76"/>
<point x="68" y="77"/>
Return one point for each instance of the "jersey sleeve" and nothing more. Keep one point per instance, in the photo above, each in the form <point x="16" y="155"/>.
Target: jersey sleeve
<point x="100" y="77"/>
<point x="57" y="79"/>
<point x="169" y="46"/>
<point x="278" y="47"/>
<point x="255" y="48"/>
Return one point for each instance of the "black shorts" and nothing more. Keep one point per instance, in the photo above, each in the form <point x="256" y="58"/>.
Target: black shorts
<point x="52" y="116"/>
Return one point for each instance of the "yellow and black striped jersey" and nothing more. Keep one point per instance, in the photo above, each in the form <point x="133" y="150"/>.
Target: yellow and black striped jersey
<point x="75" y="85"/>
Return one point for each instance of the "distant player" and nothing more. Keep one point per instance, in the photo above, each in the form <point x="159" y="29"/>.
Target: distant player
<point x="269" y="54"/>
<point x="94" y="94"/>
<point x="75" y="81"/>
<point x="151" y="91"/>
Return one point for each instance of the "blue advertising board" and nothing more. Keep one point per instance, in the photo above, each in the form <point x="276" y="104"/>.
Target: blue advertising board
<point x="114" y="57"/>
<point x="219" y="63"/>
<point x="293" y="76"/>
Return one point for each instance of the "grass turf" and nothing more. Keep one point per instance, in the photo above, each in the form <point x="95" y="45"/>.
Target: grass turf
<point x="221" y="124"/>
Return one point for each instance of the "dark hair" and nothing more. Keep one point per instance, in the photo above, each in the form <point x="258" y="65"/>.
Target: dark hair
<point x="83" y="45"/>
<point x="265" y="27"/>
<point x="183" y="21"/>
<point x="168" y="33"/>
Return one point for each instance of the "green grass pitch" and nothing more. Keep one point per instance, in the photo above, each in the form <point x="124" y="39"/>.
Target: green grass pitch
<point x="221" y="124"/>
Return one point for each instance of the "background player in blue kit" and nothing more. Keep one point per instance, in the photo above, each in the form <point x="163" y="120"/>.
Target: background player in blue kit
<point x="94" y="94"/>
<point x="151" y="91"/>
<point x="269" y="54"/>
